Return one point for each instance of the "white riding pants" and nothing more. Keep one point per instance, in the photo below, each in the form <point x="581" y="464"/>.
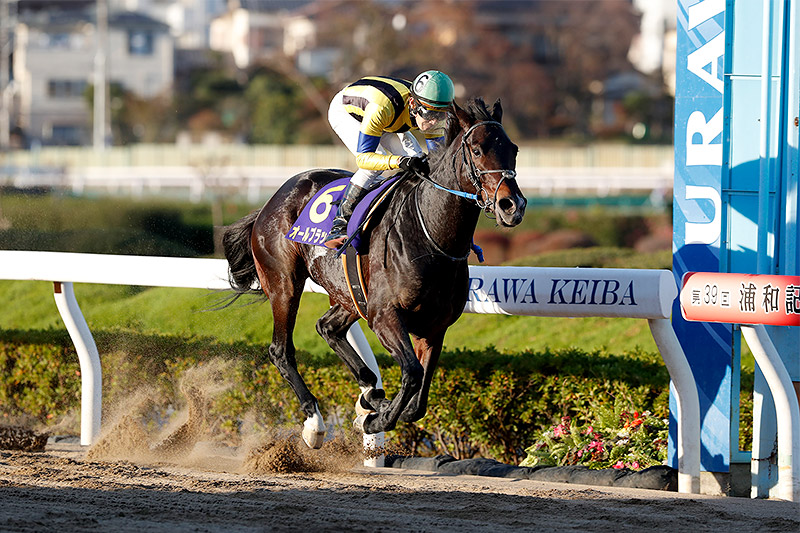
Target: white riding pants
<point x="348" y="129"/>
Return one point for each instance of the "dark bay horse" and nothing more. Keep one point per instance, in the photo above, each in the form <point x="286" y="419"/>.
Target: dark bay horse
<point x="415" y="270"/>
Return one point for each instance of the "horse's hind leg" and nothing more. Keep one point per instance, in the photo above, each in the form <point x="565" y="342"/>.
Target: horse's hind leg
<point x="284" y="292"/>
<point x="333" y="327"/>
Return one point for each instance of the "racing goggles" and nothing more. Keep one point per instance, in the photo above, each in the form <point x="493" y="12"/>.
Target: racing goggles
<point x="429" y="113"/>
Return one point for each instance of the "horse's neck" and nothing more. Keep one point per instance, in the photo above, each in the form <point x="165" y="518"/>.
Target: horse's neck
<point x="449" y="219"/>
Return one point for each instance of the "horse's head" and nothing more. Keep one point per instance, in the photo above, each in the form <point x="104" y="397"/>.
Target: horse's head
<point x="486" y="159"/>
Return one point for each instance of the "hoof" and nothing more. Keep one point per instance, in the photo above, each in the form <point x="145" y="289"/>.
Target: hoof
<point x="363" y="407"/>
<point x="313" y="438"/>
<point x="314" y="430"/>
<point x="358" y="423"/>
<point x="360" y="420"/>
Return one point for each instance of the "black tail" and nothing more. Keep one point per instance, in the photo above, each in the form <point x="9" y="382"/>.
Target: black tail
<point x="242" y="273"/>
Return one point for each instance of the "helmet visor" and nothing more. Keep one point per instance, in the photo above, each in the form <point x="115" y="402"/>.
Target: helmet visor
<point x="430" y="114"/>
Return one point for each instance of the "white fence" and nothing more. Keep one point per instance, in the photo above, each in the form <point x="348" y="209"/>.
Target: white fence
<point x="255" y="182"/>
<point x="601" y="169"/>
<point x="571" y="292"/>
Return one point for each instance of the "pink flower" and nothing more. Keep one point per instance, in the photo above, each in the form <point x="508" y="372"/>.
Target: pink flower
<point x="635" y="465"/>
<point x="560" y="430"/>
<point x="596" y="446"/>
<point x="588" y="430"/>
<point x="618" y="465"/>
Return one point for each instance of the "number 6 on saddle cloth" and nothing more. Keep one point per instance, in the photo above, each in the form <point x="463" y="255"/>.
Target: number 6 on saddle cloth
<point x="316" y="220"/>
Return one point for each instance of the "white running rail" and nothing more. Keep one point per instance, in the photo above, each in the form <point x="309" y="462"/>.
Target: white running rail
<point x="528" y="291"/>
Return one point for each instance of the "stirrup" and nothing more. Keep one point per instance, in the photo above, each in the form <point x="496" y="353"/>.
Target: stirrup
<point x="338" y="233"/>
<point x="335" y="243"/>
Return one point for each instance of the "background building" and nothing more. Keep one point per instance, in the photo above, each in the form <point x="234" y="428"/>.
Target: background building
<point x="54" y="66"/>
<point x="262" y="71"/>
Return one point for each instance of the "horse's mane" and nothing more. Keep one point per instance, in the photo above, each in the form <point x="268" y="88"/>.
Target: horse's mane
<point x="477" y="109"/>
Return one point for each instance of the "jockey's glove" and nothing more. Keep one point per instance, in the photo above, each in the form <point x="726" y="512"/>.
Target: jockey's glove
<point x="414" y="164"/>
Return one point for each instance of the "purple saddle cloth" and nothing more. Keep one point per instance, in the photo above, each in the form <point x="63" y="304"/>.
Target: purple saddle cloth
<point x="316" y="219"/>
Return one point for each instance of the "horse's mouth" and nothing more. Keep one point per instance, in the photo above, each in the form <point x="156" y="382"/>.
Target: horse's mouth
<point x="510" y="211"/>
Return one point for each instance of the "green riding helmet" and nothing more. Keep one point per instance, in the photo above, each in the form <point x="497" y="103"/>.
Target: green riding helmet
<point x="433" y="89"/>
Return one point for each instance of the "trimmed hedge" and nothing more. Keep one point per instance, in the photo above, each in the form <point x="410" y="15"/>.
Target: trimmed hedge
<point x="608" y="226"/>
<point x="598" y="257"/>
<point x="120" y="226"/>
<point x="482" y="403"/>
<point x="122" y="241"/>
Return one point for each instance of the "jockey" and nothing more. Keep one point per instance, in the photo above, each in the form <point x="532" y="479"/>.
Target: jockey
<point x="374" y="117"/>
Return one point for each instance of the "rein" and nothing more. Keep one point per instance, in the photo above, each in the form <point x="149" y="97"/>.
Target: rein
<point x="428" y="235"/>
<point x="467" y="195"/>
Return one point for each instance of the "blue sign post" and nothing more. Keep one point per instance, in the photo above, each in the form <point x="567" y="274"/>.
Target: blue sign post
<point x="760" y="185"/>
<point x="736" y="200"/>
<point x="697" y="215"/>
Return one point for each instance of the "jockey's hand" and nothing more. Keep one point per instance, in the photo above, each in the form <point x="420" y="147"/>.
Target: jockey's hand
<point x="414" y="164"/>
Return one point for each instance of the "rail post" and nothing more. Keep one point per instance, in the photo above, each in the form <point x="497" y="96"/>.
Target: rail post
<point x="88" y="358"/>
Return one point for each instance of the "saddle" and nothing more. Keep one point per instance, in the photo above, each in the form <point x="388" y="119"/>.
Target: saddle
<point x="316" y="220"/>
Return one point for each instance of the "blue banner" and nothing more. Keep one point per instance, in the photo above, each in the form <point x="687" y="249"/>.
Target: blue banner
<point x="697" y="216"/>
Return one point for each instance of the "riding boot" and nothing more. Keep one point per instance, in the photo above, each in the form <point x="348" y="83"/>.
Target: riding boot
<point x="338" y="234"/>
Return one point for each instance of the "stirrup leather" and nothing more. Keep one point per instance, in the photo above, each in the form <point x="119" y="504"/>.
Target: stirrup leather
<point x="338" y="233"/>
<point x="351" y="264"/>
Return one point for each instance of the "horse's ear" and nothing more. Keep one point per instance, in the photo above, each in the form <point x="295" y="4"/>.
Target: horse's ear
<point x="497" y="111"/>
<point x="464" y="118"/>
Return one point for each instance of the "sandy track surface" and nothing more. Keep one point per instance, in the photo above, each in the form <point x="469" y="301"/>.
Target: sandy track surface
<point x="61" y="490"/>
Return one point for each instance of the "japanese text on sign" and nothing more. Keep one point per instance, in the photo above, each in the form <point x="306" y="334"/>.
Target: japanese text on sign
<point x="741" y="298"/>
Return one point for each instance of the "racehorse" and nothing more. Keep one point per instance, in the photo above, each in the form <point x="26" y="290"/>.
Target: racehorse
<point x="415" y="269"/>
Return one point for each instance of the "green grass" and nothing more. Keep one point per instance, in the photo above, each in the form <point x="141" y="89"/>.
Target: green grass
<point x="116" y="225"/>
<point x="29" y="305"/>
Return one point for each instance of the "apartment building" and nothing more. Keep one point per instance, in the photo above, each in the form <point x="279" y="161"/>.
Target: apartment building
<point x="54" y="64"/>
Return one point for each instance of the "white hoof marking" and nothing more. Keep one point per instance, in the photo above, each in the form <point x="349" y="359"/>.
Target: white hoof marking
<point x="358" y="423"/>
<point x="314" y="430"/>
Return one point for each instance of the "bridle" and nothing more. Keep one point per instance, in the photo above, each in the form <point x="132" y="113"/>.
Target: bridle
<point x="475" y="174"/>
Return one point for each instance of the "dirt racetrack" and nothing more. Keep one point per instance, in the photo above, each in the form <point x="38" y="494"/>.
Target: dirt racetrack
<point x="62" y="490"/>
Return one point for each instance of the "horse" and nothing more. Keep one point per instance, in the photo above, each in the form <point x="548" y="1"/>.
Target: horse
<point x="415" y="268"/>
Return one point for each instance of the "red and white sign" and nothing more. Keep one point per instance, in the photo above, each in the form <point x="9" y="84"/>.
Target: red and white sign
<point x="741" y="298"/>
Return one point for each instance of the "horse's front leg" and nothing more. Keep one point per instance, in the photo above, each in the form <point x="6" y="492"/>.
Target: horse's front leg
<point x="392" y="332"/>
<point x="428" y="351"/>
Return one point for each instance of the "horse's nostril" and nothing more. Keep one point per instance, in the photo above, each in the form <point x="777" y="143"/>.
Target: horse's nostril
<point x="506" y="205"/>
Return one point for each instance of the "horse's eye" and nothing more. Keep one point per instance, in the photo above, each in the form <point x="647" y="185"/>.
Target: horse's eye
<point x="476" y="151"/>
